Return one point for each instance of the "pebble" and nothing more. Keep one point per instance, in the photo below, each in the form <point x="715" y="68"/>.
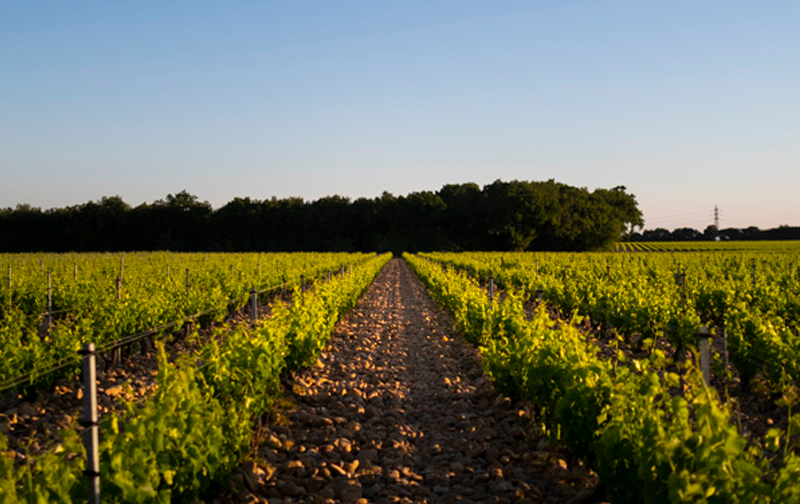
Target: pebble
<point x="40" y="419"/>
<point x="115" y="391"/>
<point x="396" y="410"/>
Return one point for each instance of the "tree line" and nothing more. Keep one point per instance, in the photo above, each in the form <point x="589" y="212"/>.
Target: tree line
<point x="516" y="215"/>
<point x="711" y="233"/>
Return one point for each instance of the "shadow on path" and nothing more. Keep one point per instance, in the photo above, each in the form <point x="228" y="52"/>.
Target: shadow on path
<point x="398" y="410"/>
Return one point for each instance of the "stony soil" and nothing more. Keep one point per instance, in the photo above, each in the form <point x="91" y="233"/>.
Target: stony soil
<point x="398" y="409"/>
<point x="31" y="423"/>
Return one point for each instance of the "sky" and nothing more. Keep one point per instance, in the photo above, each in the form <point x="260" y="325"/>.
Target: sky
<point x="688" y="104"/>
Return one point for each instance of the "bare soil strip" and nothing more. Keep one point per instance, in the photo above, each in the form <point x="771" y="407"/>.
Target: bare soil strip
<point x="398" y="410"/>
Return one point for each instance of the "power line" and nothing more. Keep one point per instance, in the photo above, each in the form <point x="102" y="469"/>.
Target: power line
<point x="743" y="218"/>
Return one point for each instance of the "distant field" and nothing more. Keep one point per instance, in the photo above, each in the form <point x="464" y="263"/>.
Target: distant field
<point x="706" y="245"/>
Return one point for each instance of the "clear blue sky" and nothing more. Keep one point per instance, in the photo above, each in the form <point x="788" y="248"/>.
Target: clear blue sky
<point x="689" y="104"/>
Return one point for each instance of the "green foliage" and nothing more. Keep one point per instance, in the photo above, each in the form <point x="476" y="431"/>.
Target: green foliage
<point x="515" y="215"/>
<point x="174" y="444"/>
<point x="153" y="295"/>
<point x="193" y="431"/>
<point x="246" y="369"/>
<point x="640" y="299"/>
<point x="54" y="476"/>
<point x="307" y="329"/>
<point x="652" y="436"/>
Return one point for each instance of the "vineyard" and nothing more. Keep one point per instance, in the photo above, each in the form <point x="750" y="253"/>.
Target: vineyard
<point x="755" y="245"/>
<point x="608" y="349"/>
<point x="67" y="300"/>
<point x="606" y="346"/>
<point x="178" y="440"/>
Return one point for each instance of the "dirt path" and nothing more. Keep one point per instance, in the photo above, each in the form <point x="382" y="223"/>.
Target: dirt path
<point x="398" y="410"/>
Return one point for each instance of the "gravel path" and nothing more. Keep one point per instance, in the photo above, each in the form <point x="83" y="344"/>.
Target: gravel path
<point x="398" y="410"/>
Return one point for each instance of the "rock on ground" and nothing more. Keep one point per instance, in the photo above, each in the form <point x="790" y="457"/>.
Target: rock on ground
<point x="399" y="410"/>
